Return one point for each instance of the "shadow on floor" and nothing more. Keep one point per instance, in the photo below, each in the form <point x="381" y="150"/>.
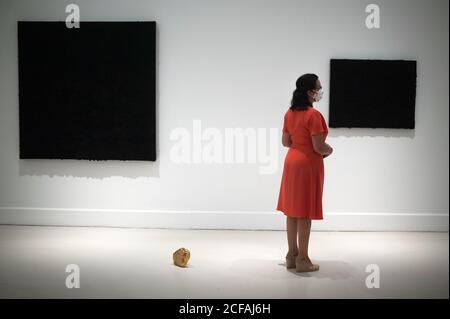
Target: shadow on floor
<point x="260" y="268"/>
<point x="330" y="269"/>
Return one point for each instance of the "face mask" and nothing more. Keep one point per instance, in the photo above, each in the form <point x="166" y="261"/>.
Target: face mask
<point x="319" y="95"/>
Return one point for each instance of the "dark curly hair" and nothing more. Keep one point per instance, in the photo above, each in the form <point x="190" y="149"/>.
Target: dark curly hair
<point x="300" y="97"/>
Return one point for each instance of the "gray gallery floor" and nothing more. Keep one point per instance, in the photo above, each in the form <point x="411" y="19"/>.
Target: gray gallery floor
<point x="137" y="263"/>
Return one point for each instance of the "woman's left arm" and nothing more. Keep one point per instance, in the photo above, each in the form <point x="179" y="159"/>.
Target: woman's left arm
<point x="286" y="139"/>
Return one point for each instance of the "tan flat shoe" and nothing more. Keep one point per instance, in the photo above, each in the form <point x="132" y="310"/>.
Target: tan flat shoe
<point x="290" y="260"/>
<point x="303" y="267"/>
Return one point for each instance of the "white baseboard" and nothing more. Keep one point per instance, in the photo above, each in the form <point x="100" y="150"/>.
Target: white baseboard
<point x="218" y="219"/>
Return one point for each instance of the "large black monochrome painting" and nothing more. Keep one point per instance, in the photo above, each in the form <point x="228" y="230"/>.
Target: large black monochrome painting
<point x="372" y="93"/>
<point x="88" y="92"/>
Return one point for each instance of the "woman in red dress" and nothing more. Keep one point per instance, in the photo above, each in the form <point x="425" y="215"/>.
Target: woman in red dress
<point x="300" y="197"/>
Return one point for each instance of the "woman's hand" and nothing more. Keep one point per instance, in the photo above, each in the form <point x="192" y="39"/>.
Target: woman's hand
<point x="331" y="151"/>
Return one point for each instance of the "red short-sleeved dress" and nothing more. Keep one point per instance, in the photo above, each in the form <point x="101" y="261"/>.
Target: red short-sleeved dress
<point x="303" y="173"/>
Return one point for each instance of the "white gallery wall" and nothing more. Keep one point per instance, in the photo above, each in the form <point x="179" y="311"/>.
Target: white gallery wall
<point x="224" y="65"/>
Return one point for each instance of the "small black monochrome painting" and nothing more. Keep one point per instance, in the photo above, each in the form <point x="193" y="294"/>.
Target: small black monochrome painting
<point x="372" y="93"/>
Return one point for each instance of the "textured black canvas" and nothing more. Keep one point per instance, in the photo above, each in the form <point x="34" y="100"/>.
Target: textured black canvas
<point x="372" y="93"/>
<point x="87" y="93"/>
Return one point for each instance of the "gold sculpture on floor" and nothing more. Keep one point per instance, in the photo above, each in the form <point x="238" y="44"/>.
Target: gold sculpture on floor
<point x="181" y="257"/>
